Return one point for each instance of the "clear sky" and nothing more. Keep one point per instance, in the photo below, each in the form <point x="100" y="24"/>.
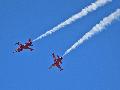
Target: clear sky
<point x="95" y="65"/>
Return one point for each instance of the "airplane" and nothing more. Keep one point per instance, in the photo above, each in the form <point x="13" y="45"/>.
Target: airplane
<point x="24" y="46"/>
<point x="57" y="62"/>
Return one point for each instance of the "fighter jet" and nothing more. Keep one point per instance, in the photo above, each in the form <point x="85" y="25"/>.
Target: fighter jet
<point x="21" y="47"/>
<point x="57" y="62"/>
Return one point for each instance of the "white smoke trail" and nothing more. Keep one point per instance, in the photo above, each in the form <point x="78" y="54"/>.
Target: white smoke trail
<point x="84" y="12"/>
<point x="97" y="28"/>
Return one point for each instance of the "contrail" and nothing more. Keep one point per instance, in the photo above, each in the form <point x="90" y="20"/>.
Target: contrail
<point x="96" y="29"/>
<point x="84" y="12"/>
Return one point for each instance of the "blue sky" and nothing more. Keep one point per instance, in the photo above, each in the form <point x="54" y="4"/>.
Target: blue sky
<point x="95" y="65"/>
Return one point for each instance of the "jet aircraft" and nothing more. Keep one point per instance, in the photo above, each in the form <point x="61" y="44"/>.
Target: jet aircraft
<point x="57" y="62"/>
<point x="21" y="47"/>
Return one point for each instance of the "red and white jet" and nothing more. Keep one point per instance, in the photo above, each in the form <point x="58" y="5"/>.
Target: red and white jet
<point x="24" y="46"/>
<point x="57" y="62"/>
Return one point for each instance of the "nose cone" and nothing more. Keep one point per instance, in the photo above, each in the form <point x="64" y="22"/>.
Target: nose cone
<point x="29" y="39"/>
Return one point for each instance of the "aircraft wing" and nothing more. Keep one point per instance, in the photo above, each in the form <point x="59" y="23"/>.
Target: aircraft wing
<point x="54" y="58"/>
